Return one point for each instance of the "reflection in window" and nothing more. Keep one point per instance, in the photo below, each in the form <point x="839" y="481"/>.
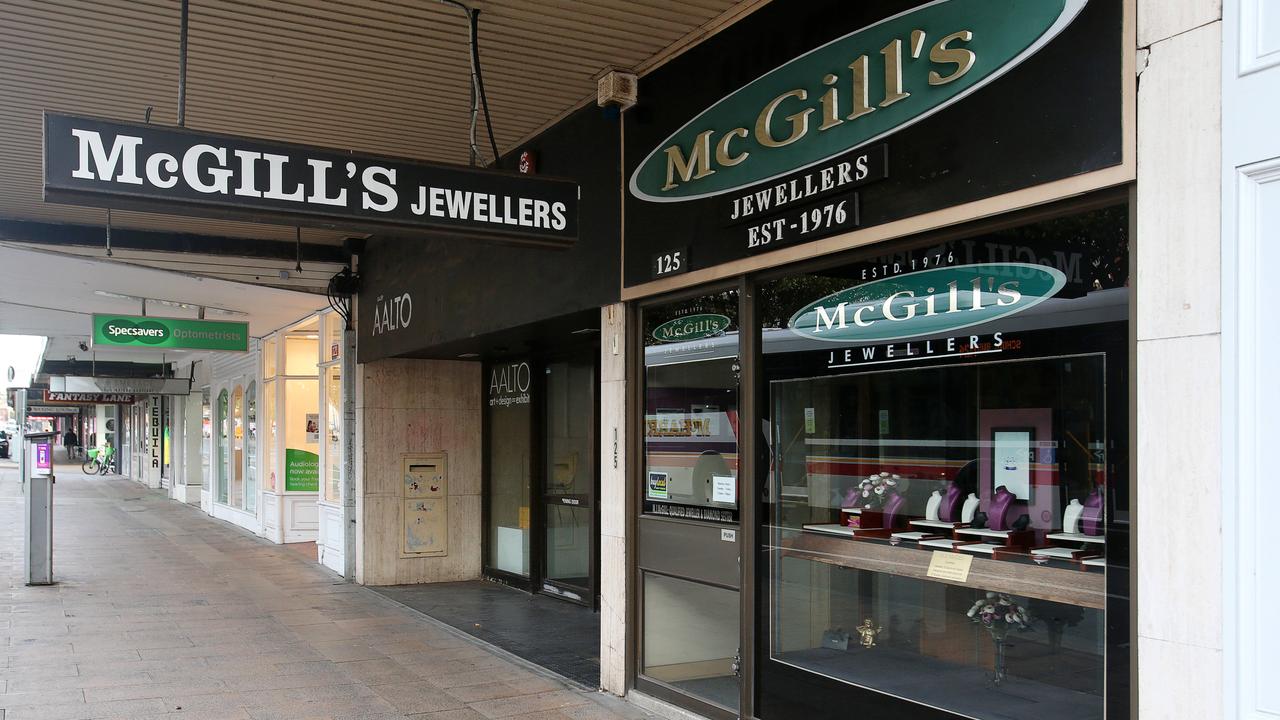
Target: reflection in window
<point x="223" y="450"/>
<point x="251" y="448"/>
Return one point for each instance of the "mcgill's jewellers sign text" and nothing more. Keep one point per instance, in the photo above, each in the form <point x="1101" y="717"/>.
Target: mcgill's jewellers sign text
<point x="148" y="167"/>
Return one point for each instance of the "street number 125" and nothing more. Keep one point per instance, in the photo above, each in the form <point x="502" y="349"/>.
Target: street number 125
<point x="669" y="263"/>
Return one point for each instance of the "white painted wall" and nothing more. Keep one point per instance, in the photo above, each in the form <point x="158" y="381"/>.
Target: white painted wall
<point x="1251" y="342"/>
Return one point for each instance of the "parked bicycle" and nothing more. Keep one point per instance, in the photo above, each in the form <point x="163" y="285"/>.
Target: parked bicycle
<point x="99" y="462"/>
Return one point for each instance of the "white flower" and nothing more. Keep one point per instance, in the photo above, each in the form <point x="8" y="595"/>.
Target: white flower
<point x="880" y="490"/>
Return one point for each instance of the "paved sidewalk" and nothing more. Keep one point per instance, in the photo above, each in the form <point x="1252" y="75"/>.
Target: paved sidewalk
<point x="161" y="611"/>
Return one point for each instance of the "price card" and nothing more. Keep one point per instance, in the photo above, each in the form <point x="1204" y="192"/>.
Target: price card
<point x="950" y="566"/>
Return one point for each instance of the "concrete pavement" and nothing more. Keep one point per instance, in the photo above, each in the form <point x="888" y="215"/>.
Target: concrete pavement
<point x="163" y="612"/>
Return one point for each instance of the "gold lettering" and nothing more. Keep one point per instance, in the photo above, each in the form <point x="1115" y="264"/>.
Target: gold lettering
<point x="722" y="148"/>
<point x="830" y="105"/>
<point x="962" y="58"/>
<point x="699" y="159"/>
<point x="861" y="89"/>
<point x="893" y="74"/>
<point x="799" y="121"/>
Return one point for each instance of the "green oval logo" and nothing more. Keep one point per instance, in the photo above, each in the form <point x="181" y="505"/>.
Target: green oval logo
<point x="126" y="332"/>
<point x="852" y="91"/>
<point x="691" y="327"/>
<point x="927" y="302"/>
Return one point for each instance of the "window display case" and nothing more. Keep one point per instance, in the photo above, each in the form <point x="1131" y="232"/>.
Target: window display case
<point x="945" y="523"/>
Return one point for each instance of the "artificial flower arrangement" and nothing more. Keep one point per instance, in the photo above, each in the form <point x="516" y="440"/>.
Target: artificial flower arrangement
<point x="872" y="492"/>
<point x="1000" y="615"/>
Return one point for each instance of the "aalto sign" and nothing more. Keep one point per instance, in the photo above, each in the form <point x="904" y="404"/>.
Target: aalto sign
<point x="927" y="302"/>
<point x="849" y="93"/>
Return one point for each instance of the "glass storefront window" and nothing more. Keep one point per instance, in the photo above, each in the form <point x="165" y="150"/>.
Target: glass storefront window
<point x="946" y="428"/>
<point x="691" y="409"/>
<point x="510" y="466"/>
<point x="237" y="448"/>
<point x="690" y="495"/>
<point x="333" y="433"/>
<point x="251" y="448"/>
<point x="301" y="422"/>
<point x="223" y="448"/>
<point x="269" y="437"/>
<point x="206" y="432"/>
<point x="300" y="354"/>
<point x="269" y="357"/>
<point x="691" y="637"/>
<point x="331" y="348"/>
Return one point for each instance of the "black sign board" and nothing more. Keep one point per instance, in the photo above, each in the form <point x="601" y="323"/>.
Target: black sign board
<point x="807" y="120"/>
<point x="104" y="163"/>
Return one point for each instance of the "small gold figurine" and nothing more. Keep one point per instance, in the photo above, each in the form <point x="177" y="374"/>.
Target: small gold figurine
<point x="868" y="632"/>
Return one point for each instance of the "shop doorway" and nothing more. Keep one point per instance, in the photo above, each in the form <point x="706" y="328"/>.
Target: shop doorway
<point x="542" y="475"/>
<point x="570" y="480"/>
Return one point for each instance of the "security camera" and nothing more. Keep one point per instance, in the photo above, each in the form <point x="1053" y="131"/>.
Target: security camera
<point x="84" y="346"/>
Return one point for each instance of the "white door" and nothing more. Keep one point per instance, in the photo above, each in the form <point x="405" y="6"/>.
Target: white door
<point x="1251" y="344"/>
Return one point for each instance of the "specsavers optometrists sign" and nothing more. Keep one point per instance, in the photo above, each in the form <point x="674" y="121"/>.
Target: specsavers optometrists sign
<point x="805" y="120"/>
<point x="103" y="163"/>
<point x="169" y="333"/>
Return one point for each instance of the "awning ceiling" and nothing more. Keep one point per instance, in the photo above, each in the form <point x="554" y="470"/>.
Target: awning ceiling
<point x="377" y="76"/>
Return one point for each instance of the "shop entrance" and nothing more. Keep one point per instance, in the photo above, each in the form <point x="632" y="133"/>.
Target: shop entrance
<point x="569" y="481"/>
<point x="542" y="475"/>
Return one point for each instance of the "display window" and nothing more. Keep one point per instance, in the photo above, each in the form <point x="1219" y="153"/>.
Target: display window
<point x="946" y="500"/>
<point x="690" y="502"/>
<point x="251" y="447"/>
<point x="333" y="432"/>
<point x="224" y="449"/>
<point x="691" y="409"/>
<point x="269" y="437"/>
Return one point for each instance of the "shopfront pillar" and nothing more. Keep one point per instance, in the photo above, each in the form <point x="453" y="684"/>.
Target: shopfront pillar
<point x="613" y="498"/>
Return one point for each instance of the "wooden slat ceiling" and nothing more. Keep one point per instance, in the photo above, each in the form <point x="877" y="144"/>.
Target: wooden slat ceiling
<point x="378" y="76"/>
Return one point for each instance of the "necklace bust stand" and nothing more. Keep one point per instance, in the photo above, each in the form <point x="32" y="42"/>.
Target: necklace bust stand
<point x="1071" y="517"/>
<point x="970" y="509"/>
<point x="999" y="510"/>
<point x="892" y="509"/>
<point x="1091" y="518"/>
<point x="949" y="504"/>
<point x="931" y="507"/>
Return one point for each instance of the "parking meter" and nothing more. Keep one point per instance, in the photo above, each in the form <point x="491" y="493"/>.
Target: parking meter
<point x="38" y="492"/>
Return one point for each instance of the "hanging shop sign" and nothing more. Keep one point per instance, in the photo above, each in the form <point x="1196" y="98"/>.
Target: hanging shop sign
<point x="110" y="331"/>
<point x="927" y="302"/>
<point x="806" y="120"/>
<point x="76" y="384"/>
<point x="52" y="410"/>
<point x="88" y="398"/>
<point x="89" y="161"/>
<point x="691" y="327"/>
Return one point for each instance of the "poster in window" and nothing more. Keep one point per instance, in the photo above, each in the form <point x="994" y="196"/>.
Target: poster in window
<point x="313" y="428"/>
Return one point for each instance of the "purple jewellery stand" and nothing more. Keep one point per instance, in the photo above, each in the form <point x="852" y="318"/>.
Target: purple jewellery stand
<point x="952" y="502"/>
<point x="1091" y="516"/>
<point x="1000" y="509"/>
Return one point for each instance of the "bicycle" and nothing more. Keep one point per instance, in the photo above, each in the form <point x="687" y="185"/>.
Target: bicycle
<point x="99" y="462"/>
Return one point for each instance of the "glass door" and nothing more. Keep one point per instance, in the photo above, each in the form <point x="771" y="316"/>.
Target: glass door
<point x="570" y="481"/>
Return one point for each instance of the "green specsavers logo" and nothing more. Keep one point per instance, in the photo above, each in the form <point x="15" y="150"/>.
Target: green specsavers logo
<point x="927" y="302"/>
<point x="175" y="333"/>
<point x="848" y="93"/>
<point x="147" y="332"/>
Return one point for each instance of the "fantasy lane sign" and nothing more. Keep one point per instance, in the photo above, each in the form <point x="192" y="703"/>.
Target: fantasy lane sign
<point x="169" y="333"/>
<point x="103" y="163"/>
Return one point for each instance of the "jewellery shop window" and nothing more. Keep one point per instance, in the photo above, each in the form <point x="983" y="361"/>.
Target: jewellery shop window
<point x="691" y="409"/>
<point x="947" y="502"/>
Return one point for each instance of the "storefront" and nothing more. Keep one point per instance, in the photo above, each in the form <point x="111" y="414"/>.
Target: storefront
<point x="880" y="271"/>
